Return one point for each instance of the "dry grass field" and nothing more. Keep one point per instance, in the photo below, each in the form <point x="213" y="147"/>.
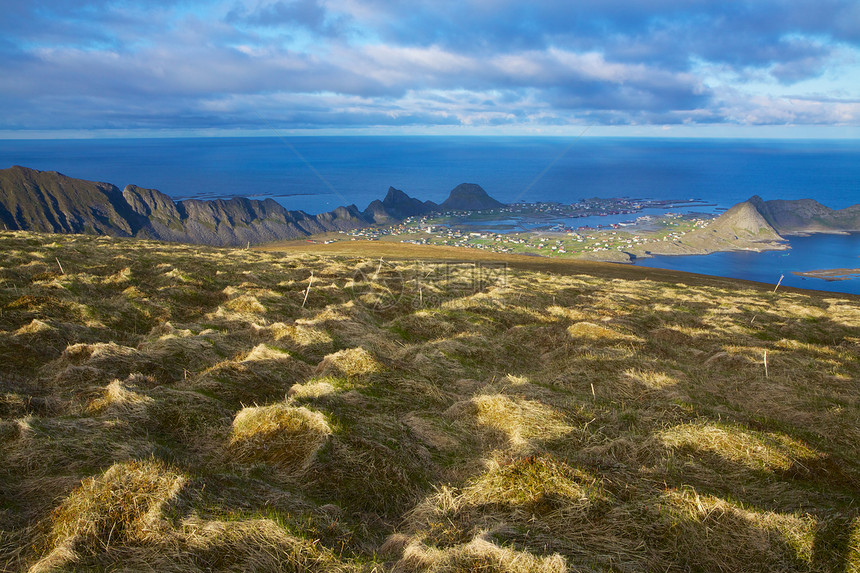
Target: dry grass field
<point x="168" y="407"/>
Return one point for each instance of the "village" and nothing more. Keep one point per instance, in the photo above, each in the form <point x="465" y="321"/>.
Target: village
<point x="546" y="229"/>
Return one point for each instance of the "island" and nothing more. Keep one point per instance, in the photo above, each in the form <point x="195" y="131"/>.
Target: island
<point x="830" y="274"/>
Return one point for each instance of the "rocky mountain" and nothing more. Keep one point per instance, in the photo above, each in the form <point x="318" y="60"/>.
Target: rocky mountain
<point x="52" y="202"/>
<point x="741" y="228"/>
<point x="744" y="220"/>
<point x="469" y="197"/>
<point x="758" y="225"/>
<point x="806" y="216"/>
<point x="397" y="206"/>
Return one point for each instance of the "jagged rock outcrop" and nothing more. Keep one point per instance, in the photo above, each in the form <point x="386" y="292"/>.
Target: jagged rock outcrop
<point x="152" y="204"/>
<point x="401" y="205"/>
<point x="341" y="219"/>
<point x="469" y="197"/>
<point x="376" y="212"/>
<point x="52" y="202"/>
<point x="397" y="206"/>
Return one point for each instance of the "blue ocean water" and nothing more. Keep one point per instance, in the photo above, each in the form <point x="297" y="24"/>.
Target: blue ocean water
<point x="316" y="174"/>
<point x="810" y="253"/>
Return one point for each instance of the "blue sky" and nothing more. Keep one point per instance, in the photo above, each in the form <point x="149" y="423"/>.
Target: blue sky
<point x="617" y="67"/>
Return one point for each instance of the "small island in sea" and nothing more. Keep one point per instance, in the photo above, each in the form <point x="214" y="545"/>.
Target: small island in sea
<point x="830" y="274"/>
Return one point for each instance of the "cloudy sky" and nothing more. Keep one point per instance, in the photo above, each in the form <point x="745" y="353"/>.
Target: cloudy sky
<point x="428" y="66"/>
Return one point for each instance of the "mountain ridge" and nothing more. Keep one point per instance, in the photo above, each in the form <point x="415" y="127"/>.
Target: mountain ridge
<point x="803" y="216"/>
<point x="397" y="206"/>
<point x="48" y="201"/>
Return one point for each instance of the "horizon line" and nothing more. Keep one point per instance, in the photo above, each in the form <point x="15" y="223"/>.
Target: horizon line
<point x="780" y="132"/>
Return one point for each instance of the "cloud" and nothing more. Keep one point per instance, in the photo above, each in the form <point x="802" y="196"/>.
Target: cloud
<point x="247" y="63"/>
<point x="667" y="33"/>
<point x="307" y="14"/>
<point x="740" y="108"/>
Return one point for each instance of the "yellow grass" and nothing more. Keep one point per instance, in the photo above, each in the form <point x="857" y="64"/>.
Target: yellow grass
<point x="176" y="408"/>
<point x="124" y="505"/>
<point x="350" y="363"/>
<point x="280" y="435"/>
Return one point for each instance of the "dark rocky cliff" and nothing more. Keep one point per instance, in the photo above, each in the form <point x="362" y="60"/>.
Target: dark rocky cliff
<point x="52" y="202"/>
<point x="806" y="216"/>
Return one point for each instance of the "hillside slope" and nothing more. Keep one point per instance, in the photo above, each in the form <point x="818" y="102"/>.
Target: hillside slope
<point x="741" y="228"/>
<point x="180" y="408"/>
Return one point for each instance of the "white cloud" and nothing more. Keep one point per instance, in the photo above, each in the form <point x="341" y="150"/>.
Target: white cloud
<point x="475" y="62"/>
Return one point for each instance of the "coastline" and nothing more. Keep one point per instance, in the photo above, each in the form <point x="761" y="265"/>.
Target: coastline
<point x="809" y="232"/>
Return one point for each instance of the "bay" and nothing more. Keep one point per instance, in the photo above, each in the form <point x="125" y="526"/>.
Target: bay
<point x="815" y="252"/>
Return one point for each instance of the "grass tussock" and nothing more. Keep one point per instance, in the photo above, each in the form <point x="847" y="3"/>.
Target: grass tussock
<point x="313" y="389"/>
<point x="245" y="304"/>
<point x="760" y="451"/>
<point x="352" y="362"/>
<point x="595" y="332"/>
<point x="124" y="505"/>
<point x="479" y="554"/>
<point x="182" y="408"/>
<point x="505" y="422"/>
<point x="120" y="399"/>
<point x="280" y="435"/>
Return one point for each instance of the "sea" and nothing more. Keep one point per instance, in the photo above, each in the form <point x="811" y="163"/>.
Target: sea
<point x="318" y="173"/>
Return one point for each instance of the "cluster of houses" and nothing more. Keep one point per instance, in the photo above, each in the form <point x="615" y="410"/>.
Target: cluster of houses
<point x="424" y="231"/>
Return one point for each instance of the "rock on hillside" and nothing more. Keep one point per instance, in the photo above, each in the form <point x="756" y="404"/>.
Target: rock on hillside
<point x="469" y="197"/>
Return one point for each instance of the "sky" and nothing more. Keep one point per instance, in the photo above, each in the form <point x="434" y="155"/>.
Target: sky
<point x="555" y="67"/>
